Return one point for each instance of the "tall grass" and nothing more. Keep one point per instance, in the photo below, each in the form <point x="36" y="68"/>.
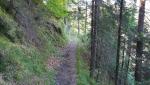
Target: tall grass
<point x="21" y="63"/>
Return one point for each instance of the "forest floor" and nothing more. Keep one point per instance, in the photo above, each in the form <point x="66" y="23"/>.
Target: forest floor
<point x="67" y="70"/>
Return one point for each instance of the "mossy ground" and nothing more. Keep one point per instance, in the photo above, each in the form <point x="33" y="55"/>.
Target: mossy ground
<point x="22" y="64"/>
<point x="25" y="64"/>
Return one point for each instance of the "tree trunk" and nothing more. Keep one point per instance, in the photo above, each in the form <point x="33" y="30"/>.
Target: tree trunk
<point x="78" y="17"/>
<point x="78" y="26"/>
<point x="123" y="62"/>
<point x="128" y="60"/>
<point x="118" y="45"/>
<point x="94" y="25"/>
<point x="86" y="18"/>
<point x="139" y="49"/>
<point x="93" y="46"/>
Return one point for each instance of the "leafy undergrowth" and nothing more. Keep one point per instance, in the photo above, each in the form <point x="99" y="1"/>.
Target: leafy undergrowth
<point x="23" y="64"/>
<point x="26" y="64"/>
<point x="9" y="27"/>
<point x="57" y="7"/>
<point x="20" y="64"/>
<point x="83" y="77"/>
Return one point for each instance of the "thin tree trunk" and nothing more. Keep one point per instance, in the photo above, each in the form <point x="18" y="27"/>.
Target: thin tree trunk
<point x="86" y="18"/>
<point x="139" y="49"/>
<point x="128" y="60"/>
<point x="123" y="54"/>
<point x="123" y="62"/>
<point x="78" y="26"/>
<point x="78" y="17"/>
<point x="118" y="45"/>
<point x="93" y="49"/>
<point x="95" y="23"/>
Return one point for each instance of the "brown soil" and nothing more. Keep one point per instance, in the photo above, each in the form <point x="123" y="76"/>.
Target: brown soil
<point x="67" y="69"/>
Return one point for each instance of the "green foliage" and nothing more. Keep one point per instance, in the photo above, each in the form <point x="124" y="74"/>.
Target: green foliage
<point x="3" y="4"/>
<point x="51" y="40"/>
<point x="38" y="1"/>
<point x="20" y="62"/>
<point x="130" y="79"/>
<point x="83" y="72"/>
<point x="57" y="7"/>
<point x="106" y="45"/>
<point x="9" y="27"/>
<point x="23" y="63"/>
<point x="27" y="64"/>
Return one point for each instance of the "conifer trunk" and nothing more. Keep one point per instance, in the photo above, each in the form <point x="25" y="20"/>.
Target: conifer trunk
<point x="139" y="48"/>
<point x="119" y="43"/>
<point x="86" y="17"/>
<point x="93" y="47"/>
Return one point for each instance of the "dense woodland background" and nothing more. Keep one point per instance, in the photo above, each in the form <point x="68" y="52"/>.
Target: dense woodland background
<point x="112" y="36"/>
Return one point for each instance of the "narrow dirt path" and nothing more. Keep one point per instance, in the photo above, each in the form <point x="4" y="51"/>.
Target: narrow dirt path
<point x="67" y="70"/>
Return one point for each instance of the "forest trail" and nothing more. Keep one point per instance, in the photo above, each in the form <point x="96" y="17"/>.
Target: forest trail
<point x="67" y="70"/>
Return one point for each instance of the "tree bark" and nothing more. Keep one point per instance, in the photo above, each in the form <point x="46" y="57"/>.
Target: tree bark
<point x="93" y="47"/>
<point x="123" y="62"/>
<point x="139" y="48"/>
<point x="128" y="61"/>
<point x="78" y="16"/>
<point x="94" y="25"/>
<point x="86" y="18"/>
<point x="118" y="45"/>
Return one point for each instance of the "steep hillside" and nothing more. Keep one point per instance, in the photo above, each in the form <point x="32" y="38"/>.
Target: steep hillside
<point x="29" y="35"/>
